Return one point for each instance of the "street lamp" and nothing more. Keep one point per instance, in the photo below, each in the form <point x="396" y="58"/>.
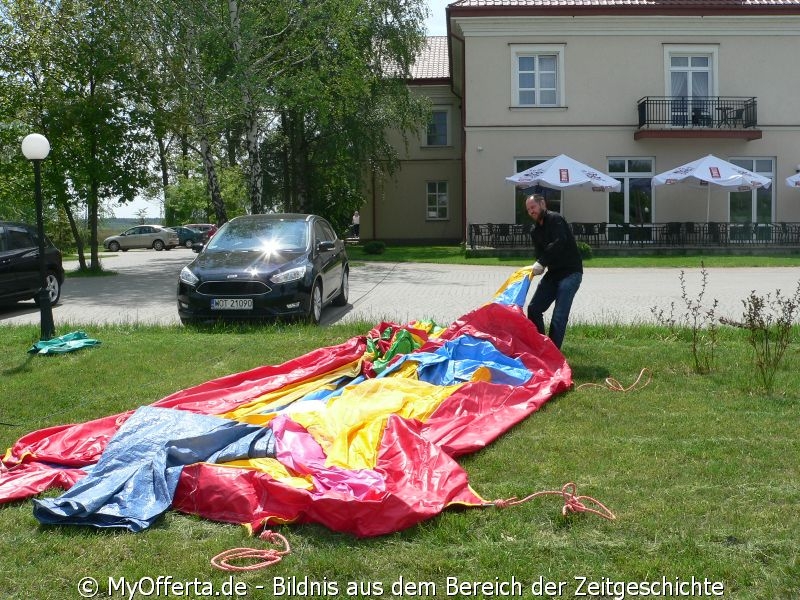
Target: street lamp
<point x="35" y="147"/>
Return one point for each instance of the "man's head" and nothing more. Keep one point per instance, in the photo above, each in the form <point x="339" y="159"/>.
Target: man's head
<point x="536" y="206"/>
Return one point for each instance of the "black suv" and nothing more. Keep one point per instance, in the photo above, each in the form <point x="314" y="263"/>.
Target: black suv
<point x="19" y="264"/>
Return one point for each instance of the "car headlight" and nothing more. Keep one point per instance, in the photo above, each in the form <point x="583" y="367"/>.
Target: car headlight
<point x="287" y="276"/>
<point x="188" y="277"/>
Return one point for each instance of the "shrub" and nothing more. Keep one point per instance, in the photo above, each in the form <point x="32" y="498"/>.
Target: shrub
<point x="700" y="319"/>
<point x="768" y="321"/>
<point x="374" y="247"/>
<point x="585" y="250"/>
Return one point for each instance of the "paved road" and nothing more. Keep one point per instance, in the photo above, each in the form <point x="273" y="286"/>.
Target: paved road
<point x="144" y="291"/>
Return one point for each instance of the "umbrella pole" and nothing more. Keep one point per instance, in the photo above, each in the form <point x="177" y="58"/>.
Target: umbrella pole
<point x="708" y="204"/>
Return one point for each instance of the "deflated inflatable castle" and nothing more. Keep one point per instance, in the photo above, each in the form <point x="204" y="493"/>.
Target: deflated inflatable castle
<point x="361" y="437"/>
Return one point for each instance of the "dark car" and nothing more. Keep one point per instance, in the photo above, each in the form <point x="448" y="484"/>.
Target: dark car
<point x="208" y="229"/>
<point x="276" y="265"/>
<point x="19" y="264"/>
<point x="188" y="236"/>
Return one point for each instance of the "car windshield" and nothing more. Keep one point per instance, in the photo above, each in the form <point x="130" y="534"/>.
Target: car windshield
<point x="261" y="236"/>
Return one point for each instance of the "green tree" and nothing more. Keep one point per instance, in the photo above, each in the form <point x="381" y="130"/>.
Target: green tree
<point x="82" y="78"/>
<point x="334" y="111"/>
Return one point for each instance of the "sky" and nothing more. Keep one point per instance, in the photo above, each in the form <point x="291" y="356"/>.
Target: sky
<point x="434" y="25"/>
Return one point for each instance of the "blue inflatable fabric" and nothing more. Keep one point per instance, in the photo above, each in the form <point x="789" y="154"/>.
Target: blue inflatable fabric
<point x="134" y="481"/>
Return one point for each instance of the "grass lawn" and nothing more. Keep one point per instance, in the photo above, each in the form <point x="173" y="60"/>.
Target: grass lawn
<point x="702" y="472"/>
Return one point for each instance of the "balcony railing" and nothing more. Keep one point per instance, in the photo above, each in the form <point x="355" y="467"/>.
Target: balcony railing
<point x="648" y="235"/>
<point x="707" y="112"/>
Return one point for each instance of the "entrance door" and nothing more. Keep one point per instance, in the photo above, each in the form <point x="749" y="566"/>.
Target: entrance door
<point x="630" y="211"/>
<point x="553" y="197"/>
<point x="751" y="212"/>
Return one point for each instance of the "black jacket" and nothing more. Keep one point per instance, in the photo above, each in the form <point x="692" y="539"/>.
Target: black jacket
<point x="555" y="246"/>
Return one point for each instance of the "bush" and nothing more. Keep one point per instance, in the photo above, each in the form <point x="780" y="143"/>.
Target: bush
<point x="585" y="250"/>
<point x="374" y="247"/>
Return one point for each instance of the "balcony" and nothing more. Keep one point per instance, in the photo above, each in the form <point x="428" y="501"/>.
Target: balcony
<point x="698" y="117"/>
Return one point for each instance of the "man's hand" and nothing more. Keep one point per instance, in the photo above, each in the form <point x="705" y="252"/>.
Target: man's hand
<point x="538" y="268"/>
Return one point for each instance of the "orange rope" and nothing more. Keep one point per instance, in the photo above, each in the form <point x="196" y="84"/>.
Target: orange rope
<point x="267" y="556"/>
<point x="572" y="503"/>
<point x="615" y="386"/>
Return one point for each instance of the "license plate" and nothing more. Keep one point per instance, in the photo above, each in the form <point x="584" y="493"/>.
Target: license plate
<point x="231" y="304"/>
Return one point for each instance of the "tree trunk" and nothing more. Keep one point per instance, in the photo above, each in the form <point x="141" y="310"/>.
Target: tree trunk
<point x="254" y="153"/>
<point x="255" y="184"/>
<point x="212" y="181"/>
<point x="76" y="235"/>
<point x="169" y="213"/>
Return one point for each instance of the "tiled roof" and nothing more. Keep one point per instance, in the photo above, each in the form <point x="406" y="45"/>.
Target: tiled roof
<point x="432" y="63"/>
<point x="627" y="3"/>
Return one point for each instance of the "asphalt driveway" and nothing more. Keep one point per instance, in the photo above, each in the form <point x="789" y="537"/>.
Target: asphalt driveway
<point x="143" y="291"/>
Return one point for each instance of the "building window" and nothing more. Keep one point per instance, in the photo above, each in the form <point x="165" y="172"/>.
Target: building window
<point x="753" y="206"/>
<point x="633" y="204"/>
<point x="690" y="81"/>
<point x="438" y="129"/>
<point x="538" y="75"/>
<point x="438" y="206"/>
<point x="552" y="197"/>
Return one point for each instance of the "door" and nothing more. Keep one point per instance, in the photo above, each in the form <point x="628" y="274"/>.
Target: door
<point x="552" y="197"/>
<point x="751" y="212"/>
<point x="690" y="88"/>
<point x="330" y="260"/>
<point x="630" y="210"/>
<point x="19" y="261"/>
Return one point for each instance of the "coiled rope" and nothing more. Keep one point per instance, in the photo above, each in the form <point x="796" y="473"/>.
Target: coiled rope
<point x="572" y="502"/>
<point x="266" y="556"/>
<point x="615" y="386"/>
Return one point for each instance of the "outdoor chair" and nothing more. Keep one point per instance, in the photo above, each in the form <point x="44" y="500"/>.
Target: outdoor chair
<point x="689" y="233"/>
<point x="475" y="236"/>
<point x="712" y="233"/>
<point x="600" y="233"/>
<point x="519" y="235"/>
<point x="672" y="233"/>
<point x="503" y="235"/>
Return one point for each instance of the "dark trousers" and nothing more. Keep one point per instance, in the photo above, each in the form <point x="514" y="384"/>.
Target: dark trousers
<point x="562" y="293"/>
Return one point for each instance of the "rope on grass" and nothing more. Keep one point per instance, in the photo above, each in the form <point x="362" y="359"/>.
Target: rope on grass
<point x="615" y="386"/>
<point x="572" y="502"/>
<point x="266" y="556"/>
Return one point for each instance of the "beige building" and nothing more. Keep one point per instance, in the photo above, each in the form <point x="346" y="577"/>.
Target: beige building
<point x="632" y="88"/>
<point x="424" y="200"/>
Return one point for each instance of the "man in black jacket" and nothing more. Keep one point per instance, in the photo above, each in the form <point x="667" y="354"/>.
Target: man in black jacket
<point x="556" y="252"/>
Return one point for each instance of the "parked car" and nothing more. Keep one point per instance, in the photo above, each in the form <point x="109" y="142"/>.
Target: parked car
<point x="142" y="236"/>
<point x="19" y="265"/>
<point x="188" y="236"/>
<point x="208" y="229"/>
<point x="275" y="265"/>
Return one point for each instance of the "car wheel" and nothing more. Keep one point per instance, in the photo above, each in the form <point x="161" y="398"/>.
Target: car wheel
<point x="113" y="246"/>
<point x="344" y="291"/>
<point x="188" y="244"/>
<point x="314" y="311"/>
<point x="53" y="289"/>
<point x="158" y="245"/>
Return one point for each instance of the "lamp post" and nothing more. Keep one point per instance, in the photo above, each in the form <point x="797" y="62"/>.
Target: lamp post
<point x="35" y="147"/>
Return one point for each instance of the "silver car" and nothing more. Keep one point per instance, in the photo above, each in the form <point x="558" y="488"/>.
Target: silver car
<point x="143" y="236"/>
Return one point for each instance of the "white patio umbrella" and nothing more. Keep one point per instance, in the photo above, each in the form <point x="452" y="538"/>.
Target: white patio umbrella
<point x="793" y="180"/>
<point x="711" y="170"/>
<point x="563" y="172"/>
